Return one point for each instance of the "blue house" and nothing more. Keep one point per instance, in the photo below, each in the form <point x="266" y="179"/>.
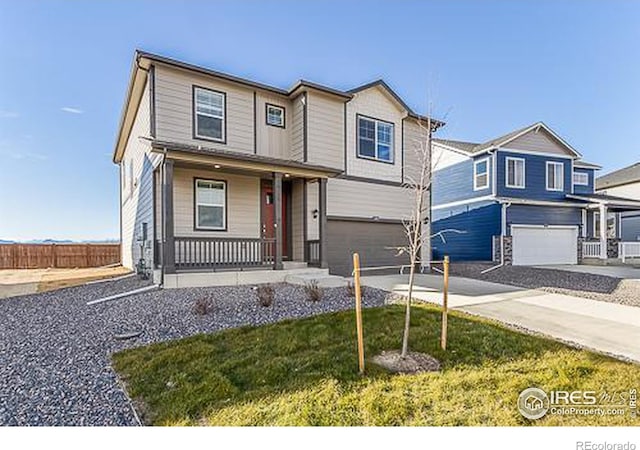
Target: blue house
<point x="525" y="198"/>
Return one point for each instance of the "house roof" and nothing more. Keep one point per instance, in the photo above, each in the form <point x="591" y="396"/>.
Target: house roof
<point x="607" y="199"/>
<point x="626" y="175"/>
<point x="161" y="146"/>
<point x="410" y="112"/>
<point x="142" y="61"/>
<point x="478" y="148"/>
<point x="586" y="165"/>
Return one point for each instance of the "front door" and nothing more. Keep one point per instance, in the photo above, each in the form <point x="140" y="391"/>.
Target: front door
<point x="269" y="216"/>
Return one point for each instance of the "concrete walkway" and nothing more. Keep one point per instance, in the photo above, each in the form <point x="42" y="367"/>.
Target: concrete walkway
<point x="624" y="272"/>
<point x="601" y="326"/>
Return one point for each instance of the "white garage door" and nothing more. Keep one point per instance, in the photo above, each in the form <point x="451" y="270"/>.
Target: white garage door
<point x="538" y="246"/>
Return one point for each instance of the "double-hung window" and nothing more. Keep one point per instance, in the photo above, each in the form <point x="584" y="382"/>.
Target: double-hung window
<point x="581" y="178"/>
<point x="375" y="139"/>
<point x="515" y="173"/>
<point x="211" y="205"/>
<point x="481" y="174"/>
<point x="209" y="114"/>
<point x="555" y="176"/>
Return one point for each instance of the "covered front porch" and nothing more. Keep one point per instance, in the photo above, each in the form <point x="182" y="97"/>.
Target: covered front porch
<point x="601" y="238"/>
<point x="222" y="212"/>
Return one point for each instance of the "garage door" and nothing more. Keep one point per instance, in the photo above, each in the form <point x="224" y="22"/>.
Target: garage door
<point x="548" y="245"/>
<point x="375" y="242"/>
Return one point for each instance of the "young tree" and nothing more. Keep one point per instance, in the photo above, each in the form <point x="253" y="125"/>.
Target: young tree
<point x="417" y="186"/>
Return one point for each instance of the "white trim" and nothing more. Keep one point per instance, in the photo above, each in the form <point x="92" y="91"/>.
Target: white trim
<point x="572" y="172"/>
<point x="524" y="225"/>
<point x="531" y="152"/>
<point x="580" y="184"/>
<point x="222" y="118"/>
<point x="477" y="187"/>
<point x="223" y="205"/>
<point x="583" y="165"/>
<point x="376" y="123"/>
<point x="463" y="202"/>
<point x="584" y="222"/>
<point x="494" y="167"/>
<point x="506" y="173"/>
<point x="554" y="163"/>
<point x="610" y="202"/>
<point x="616" y="223"/>
<point x="537" y="127"/>
<point x="524" y="201"/>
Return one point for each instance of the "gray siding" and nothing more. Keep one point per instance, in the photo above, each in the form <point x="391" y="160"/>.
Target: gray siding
<point x="137" y="192"/>
<point x="540" y="141"/>
<point x="297" y="129"/>
<point x="415" y="141"/>
<point x="325" y="139"/>
<point x="348" y="198"/>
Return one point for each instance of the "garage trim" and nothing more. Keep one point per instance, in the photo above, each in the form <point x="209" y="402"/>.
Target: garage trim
<point x="574" y="228"/>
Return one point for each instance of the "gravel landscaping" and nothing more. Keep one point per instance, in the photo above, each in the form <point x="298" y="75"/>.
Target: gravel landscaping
<point x="55" y="350"/>
<point x="586" y="285"/>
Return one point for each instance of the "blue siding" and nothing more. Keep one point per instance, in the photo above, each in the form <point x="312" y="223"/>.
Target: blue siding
<point x="455" y="183"/>
<point x="535" y="177"/>
<point x="478" y="223"/>
<point x="542" y="215"/>
<point x="631" y="227"/>
<point x="579" y="189"/>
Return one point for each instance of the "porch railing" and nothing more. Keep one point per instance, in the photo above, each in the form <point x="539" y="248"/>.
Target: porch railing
<point x="313" y="252"/>
<point x="628" y="250"/>
<point x="199" y="253"/>
<point x="591" y="249"/>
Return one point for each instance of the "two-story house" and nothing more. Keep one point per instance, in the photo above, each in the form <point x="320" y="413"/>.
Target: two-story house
<point x="525" y="198"/>
<point x="219" y="173"/>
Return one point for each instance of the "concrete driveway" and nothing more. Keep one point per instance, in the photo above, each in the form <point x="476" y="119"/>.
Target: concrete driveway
<point x="604" y="327"/>
<point x="623" y="272"/>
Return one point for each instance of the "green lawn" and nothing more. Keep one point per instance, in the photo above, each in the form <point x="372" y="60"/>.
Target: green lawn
<point x="303" y="372"/>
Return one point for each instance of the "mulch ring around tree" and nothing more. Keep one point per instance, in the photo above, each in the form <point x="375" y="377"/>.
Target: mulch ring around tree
<point x="414" y="362"/>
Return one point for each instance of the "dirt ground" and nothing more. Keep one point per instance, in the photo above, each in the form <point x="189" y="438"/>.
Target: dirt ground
<point x="31" y="281"/>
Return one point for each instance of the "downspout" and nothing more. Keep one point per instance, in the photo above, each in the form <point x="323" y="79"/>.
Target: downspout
<point x="502" y="236"/>
<point x="162" y="234"/>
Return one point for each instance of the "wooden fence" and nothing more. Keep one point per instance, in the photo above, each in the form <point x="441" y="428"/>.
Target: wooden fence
<point x="40" y="256"/>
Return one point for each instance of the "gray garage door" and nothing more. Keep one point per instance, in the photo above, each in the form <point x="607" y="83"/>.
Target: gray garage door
<point x="371" y="239"/>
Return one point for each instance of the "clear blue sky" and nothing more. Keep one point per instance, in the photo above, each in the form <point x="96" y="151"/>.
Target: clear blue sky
<point x="491" y="66"/>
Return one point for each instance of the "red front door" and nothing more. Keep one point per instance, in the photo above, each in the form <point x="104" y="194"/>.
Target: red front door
<point x="269" y="216"/>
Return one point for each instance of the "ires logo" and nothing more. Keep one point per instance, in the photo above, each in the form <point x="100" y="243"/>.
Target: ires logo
<point x="563" y="398"/>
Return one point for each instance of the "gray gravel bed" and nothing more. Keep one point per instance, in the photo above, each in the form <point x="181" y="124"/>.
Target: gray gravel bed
<point x="55" y="350"/>
<point x="585" y="285"/>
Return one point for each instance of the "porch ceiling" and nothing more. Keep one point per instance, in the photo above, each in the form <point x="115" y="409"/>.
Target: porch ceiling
<point x="211" y="157"/>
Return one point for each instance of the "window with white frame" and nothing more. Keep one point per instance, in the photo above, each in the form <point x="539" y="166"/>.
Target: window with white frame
<point x="211" y="205"/>
<point x="612" y="225"/>
<point x="555" y="176"/>
<point x="375" y="139"/>
<point x="275" y="115"/>
<point x="209" y="114"/>
<point x="515" y="168"/>
<point x="581" y="178"/>
<point x="481" y="174"/>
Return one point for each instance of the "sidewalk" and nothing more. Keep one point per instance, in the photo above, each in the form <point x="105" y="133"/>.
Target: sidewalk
<point x="603" y="327"/>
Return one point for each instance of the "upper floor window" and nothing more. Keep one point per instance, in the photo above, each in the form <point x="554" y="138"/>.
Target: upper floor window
<point x="375" y="139"/>
<point x="275" y="115"/>
<point x="481" y="174"/>
<point x="581" y="178"/>
<point x="209" y="108"/>
<point x="515" y="173"/>
<point x="555" y="176"/>
<point x="211" y="205"/>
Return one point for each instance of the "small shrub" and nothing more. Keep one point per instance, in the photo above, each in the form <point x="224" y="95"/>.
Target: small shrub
<point x="203" y="306"/>
<point x="314" y="291"/>
<point x="351" y="289"/>
<point x="266" y="294"/>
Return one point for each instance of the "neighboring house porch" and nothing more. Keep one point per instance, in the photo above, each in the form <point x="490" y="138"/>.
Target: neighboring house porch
<point x="604" y="212"/>
<point x="220" y="212"/>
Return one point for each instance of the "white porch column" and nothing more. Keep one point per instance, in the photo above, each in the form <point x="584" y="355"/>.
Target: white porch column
<point x="603" y="231"/>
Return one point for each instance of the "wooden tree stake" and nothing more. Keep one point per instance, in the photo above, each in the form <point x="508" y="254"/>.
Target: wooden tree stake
<point x="356" y="283"/>
<point x="445" y="304"/>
